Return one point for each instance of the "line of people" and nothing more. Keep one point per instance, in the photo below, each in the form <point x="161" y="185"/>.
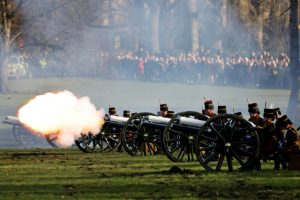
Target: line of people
<point x="203" y="67"/>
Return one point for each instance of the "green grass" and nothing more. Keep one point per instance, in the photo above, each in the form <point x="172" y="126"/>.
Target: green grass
<point x="71" y="174"/>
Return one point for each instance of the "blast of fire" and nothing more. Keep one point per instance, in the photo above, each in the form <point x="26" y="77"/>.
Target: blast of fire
<point x="62" y="113"/>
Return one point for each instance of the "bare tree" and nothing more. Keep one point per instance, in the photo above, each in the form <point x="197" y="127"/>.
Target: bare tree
<point x="294" y="103"/>
<point x="8" y="34"/>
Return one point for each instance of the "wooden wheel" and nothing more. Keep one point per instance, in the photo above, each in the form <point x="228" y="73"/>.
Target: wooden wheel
<point x="26" y="138"/>
<point x="86" y="143"/>
<point x="178" y="139"/>
<point x="138" y="139"/>
<point x="227" y="138"/>
<point x="52" y="139"/>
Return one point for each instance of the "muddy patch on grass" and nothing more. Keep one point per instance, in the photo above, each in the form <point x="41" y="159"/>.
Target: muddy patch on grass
<point x="177" y="170"/>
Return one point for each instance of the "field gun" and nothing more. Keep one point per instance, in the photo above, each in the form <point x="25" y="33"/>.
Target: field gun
<point x="26" y="136"/>
<point x="142" y="133"/>
<point x="108" y="139"/>
<point x="190" y="135"/>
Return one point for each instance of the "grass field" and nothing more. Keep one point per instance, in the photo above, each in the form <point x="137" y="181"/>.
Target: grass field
<point x="71" y="174"/>
<point x="47" y="173"/>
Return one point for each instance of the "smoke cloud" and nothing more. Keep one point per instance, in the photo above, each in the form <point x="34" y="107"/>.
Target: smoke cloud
<point x="62" y="113"/>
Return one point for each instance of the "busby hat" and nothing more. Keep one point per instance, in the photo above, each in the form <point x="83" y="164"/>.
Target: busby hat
<point x="222" y="110"/>
<point x="112" y="111"/>
<point x="126" y="113"/>
<point x="208" y="104"/>
<point x="163" y="107"/>
<point x="269" y="113"/>
<point x="239" y="114"/>
<point x="284" y="120"/>
<point x="170" y="113"/>
<point x="253" y="108"/>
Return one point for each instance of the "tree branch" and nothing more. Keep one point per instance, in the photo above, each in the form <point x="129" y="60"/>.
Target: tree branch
<point x="281" y="14"/>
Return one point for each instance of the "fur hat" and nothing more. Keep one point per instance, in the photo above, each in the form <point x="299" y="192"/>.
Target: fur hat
<point x="126" y="113"/>
<point x="112" y="111"/>
<point x="239" y="114"/>
<point x="269" y="113"/>
<point x="208" y="105"/>
<point x="222" y="110"/>
<point x="284" y="120"/>
<point x="164" y="107"/>
<point x="253" y="108"/>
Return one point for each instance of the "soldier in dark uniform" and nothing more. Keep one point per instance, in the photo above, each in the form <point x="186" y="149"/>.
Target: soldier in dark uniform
<point x="163" y="110"/>
<point x="272" y="140"/>
<point x="255" y="117"/>
<point x="279" y="141"/>
<point x="291" y="136"/>
<point x="258" y="121"/>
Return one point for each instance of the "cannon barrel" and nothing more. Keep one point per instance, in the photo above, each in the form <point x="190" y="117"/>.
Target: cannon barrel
<point x="191" y="122"/>
<point x="158" y="119"/>
<point x="118" y="119"/>
<point x="13" y="120"/>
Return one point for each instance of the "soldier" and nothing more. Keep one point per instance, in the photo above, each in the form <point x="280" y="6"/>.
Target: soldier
<point x="112" y="111"/>
<point x="270" y="140"/>
<point x="277" y="116"/>
<point x="209" y="107"/>
<point x="291" y="136"/>
<point x="163" y="110"/>
<point x="255" y="117"/>
<point x="289" y="142"/>
<point x="258" y="121"/>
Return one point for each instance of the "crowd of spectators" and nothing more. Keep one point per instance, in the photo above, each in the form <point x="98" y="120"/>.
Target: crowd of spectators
<point x="259" y="69"/>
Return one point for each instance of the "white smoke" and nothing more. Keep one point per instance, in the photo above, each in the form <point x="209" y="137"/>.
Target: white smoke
<point x="62" y="113"/>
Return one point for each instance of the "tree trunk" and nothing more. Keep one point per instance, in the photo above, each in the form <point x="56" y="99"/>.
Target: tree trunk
<point x="5" y="45"/>
<point x="194" y="26"/>
<point x="155" y="27"/>
<point x="293" y="106"/>
<point x="259" y="28"/>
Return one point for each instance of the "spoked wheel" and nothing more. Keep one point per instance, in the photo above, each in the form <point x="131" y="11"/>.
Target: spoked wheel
<point x="52" y="139"/>
<point x="227" y="142"/>
<point x="107" y="140"/>
<point x="138" y="139"/>
<point x="179" y="139"/>
<point x="24" y="137"/>
<point x="86" y="143"/>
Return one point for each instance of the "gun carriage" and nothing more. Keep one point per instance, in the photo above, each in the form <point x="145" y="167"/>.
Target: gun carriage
<point x="27" y="137"/>
<point x="191" y="135"/>
<point x="141" y="134"/>
<point x="107" y="140"/>
<point x="179" y="136"/>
